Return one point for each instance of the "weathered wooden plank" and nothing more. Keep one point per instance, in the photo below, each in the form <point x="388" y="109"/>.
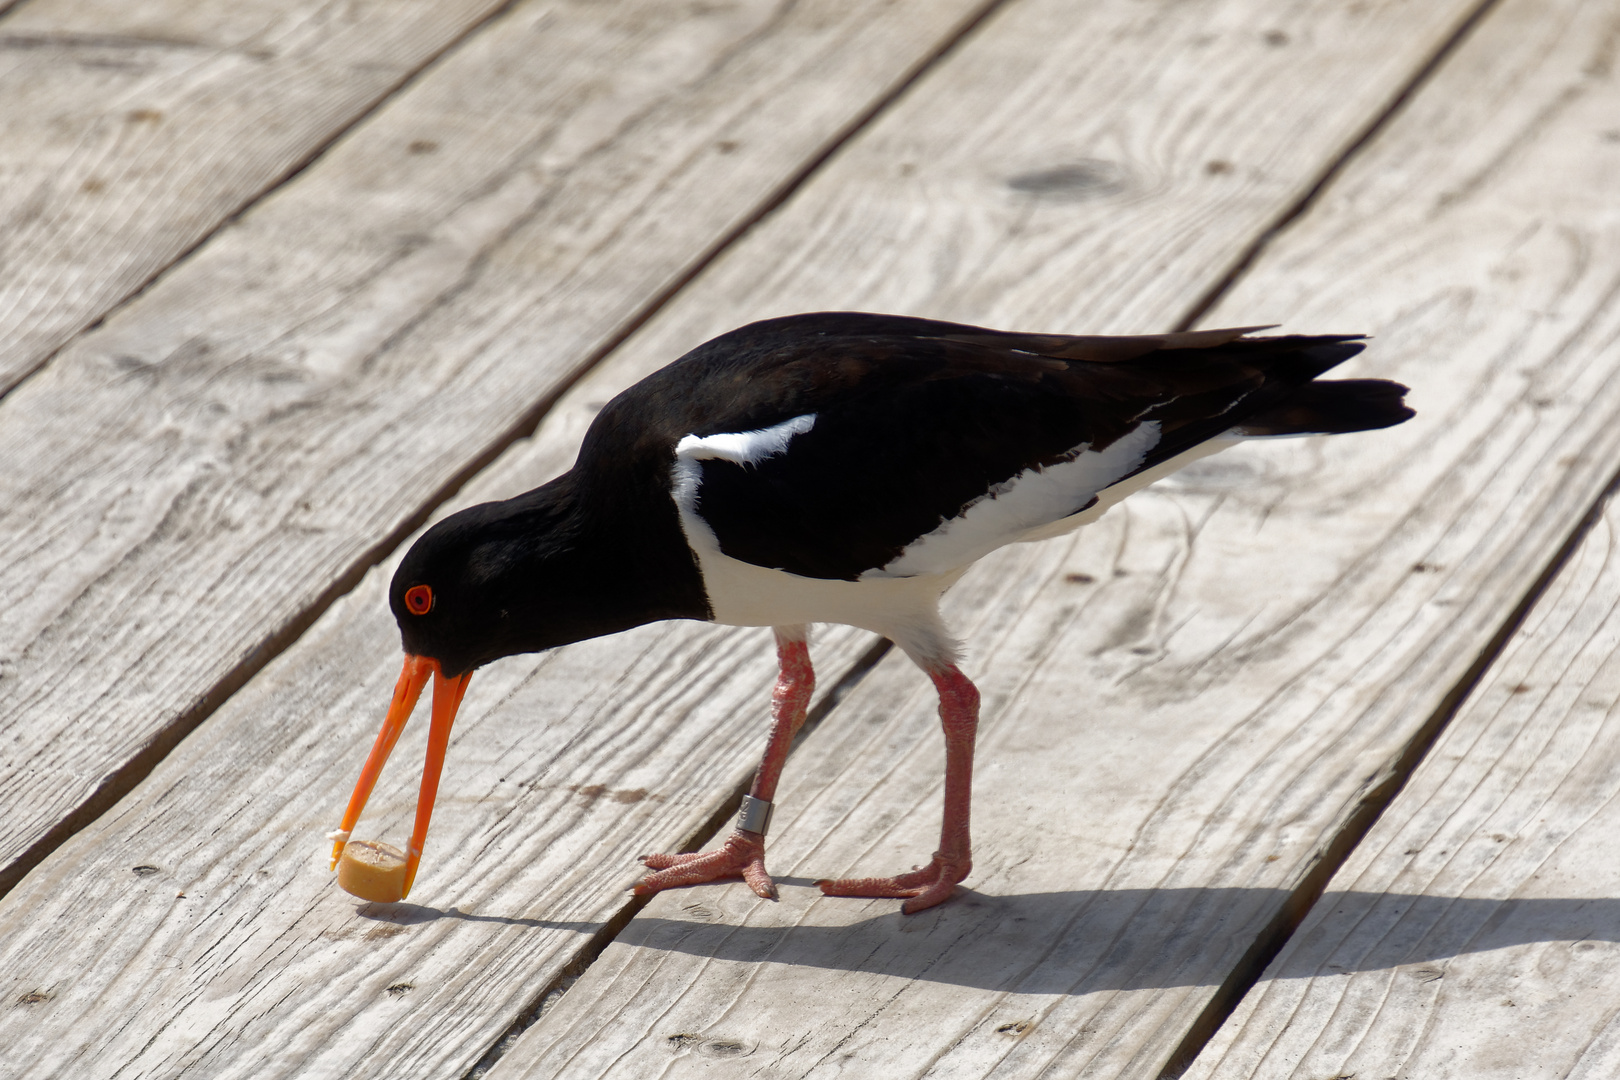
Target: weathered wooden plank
<point x="1184" y="702"/>
<point x="1473" y="932"/>
<point x="1083" y="174"/>
<point x="209" y="938"/>
<point x="1466" y="934"/>
<point x="184" y="484"/>
<point x="129" y="132"/>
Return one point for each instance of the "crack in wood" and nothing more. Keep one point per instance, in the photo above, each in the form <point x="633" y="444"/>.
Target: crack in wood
<point x="1249" y="969"/>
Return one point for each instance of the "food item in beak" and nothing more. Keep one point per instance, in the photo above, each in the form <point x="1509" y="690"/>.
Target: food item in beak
<point x="372" y="871"/>
<point x="447" y="695"/>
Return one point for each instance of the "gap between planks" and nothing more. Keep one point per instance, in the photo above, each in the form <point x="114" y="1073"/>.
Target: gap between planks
<point x="1250" y="255"/>
<point x="1360" y="821"/>
<point x="726" y="810"/>
<point x="181" y="256"/>
<point x="120" y="781"/>
<point x="1270" y="941"/>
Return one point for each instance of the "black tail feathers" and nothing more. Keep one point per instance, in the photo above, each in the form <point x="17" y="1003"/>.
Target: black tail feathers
<point x="1332" y="407"/>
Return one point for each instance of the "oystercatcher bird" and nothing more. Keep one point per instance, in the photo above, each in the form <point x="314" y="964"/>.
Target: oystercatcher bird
<point x="835" y="467"/>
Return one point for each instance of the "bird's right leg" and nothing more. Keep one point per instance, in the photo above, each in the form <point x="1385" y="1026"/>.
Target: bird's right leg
<point x="744" y="851"/>
<point x="934" y="883"/>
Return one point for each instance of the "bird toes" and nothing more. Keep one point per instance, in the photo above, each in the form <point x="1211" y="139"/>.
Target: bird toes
<point x="742" y="856"/>
<point x="920" y="889"/>
<point x="758" y="880"/>
<point x="672" y="874"/>
<point x="889" y="888"/>
<point x="664" y="862"/>
<point x="937" y="893"/>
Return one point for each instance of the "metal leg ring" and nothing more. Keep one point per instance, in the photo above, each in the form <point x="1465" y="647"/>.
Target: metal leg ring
<point x="755" y="815"/>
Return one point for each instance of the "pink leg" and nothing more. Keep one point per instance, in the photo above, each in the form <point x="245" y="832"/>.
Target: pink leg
<point x="744" y="850"/>
<point x="934" y="883"/>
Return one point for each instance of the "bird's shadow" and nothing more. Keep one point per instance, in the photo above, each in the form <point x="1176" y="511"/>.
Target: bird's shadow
<point x="1085" y="941"/>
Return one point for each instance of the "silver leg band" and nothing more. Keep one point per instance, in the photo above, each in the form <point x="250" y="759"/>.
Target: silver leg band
<point x="755" y="815"/>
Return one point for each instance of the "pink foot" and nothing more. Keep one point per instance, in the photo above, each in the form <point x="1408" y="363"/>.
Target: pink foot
<point x="742" y="856"/>
<point x="924" y="887"/>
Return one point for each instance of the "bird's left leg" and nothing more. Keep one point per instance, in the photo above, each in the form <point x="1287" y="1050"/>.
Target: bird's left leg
<point x="744" y="851"/>
<point x="934" y="883"/>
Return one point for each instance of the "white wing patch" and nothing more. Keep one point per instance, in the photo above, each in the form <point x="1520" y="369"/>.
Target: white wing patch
<point x="744" y="447"/>
<point x="1025" y="503"/>
<point x="686" y="477"/>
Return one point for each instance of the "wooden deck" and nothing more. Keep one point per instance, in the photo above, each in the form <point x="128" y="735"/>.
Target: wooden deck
<point x="1303" y="763"/>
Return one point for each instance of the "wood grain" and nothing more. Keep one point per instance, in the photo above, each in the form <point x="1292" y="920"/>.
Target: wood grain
<point x="210" y="937"/>
<point x="1467" y="933"/>
<point x="1473" y="933"/>
<point x="129" y="132"/>
<point x="1074" y="175"/>
<point x="1184" y="702"/>
<point x="185" y="483"/>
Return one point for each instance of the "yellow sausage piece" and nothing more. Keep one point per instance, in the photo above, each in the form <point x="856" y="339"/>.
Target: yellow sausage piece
<point x="372" y="871"/>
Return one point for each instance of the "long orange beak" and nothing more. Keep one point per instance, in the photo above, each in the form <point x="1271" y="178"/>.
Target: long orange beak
<point x="447" y="694"/>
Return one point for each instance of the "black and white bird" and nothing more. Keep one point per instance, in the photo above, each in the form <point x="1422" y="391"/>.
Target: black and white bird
<point x="843" y="468"/>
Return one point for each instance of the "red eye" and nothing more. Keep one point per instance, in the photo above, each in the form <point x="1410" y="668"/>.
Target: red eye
<point x="419" y="599"/>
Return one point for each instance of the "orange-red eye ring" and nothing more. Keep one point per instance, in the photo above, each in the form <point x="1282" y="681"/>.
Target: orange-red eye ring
<point x="419" y="599"/>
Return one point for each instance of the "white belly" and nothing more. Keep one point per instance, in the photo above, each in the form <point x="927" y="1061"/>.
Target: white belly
<point x="904" y="610"/>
